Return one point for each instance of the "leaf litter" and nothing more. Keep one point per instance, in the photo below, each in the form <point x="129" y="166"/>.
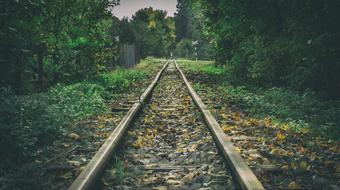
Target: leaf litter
<point x="280" y="157"/>
<point x="169" y="146"/>
<point x="56" y="166"/>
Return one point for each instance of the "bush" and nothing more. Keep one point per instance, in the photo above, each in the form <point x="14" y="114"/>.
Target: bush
<point x="118" y="81"/>
<point x="29" y="121"/>
<point x="78" y="101"/>
<point x="25" y="122"/>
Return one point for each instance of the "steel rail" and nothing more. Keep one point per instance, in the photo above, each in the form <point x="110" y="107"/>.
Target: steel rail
<point x="244" y="175"/>
<point x="94" y="168"/>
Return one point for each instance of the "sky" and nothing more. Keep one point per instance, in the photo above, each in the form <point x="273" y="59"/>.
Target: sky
<point x="128" y="7"/>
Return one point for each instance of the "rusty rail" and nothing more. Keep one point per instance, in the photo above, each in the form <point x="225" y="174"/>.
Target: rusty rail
<point x="244" y="175"/>
<point x="94" y="168"/>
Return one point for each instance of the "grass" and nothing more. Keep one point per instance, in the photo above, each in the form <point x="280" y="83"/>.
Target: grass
<point x="300" y="111"/>
<point x="206" y="67"/>
<point x="28" y="122"/>
<point x="120" y="173"/>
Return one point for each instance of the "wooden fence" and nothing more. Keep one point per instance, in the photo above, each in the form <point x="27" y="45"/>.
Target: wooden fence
<point x="129" y="55"/>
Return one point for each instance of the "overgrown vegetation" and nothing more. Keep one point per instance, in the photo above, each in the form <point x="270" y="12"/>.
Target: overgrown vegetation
<point x="43" y="43"/>
<point x="276" y="43"/>
<point x="28" y="122"/>
<point x="300" y="111"/>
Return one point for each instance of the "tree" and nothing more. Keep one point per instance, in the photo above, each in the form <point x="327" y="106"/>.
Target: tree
<point x="277" y="43"/>
<point x="154" y="32"/>
<point x="188" y="29"/>
<point x="46" y="42"/>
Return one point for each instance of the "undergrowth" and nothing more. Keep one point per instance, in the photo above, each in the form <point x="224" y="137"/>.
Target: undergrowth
<point x="28" y="122"/>
<point x="297" y="110"/>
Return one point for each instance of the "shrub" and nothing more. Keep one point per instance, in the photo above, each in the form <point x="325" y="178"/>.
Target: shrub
<point x="25" y="122"/>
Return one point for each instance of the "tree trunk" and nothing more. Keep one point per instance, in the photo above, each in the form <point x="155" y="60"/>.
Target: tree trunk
<point x="40" y="71"/>
<point x="18" y="75"/>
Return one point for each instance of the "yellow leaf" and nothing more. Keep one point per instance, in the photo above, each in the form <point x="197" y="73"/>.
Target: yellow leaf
<point x="237" y="117"/>
<point x="267" y="121"/>
<point x="293" y="186"/>
<point x="224" y="116"/>
<point x="192" y="148"/>
<point x="284" y="127"/>
<point x="180" y="150"/>
<point x="225" y="128"/>
<point x="280" y="136"/>
<point x="254" y="122"/>
<point x="138" y="143"/>
<point x="238" y="149"/>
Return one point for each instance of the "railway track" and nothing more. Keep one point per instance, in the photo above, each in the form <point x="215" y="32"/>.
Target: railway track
<point x="170" y="142"/>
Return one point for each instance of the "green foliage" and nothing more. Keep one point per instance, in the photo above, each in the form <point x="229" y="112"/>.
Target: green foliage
<point x="205" y="67"/>
<point x="298" y="110"/>
<point x="188" y="21"/>
<point x="44" y="43"/>
<point x="120" y="170"/>
<point x="185" y="49"/>
<point x="119" y="80"/>
<point x="151" y="31"/>
<point x="28" y="122"/>
<point x="77" y="101"/>
<point x="276" y="43"/>
<point x="24" y="123"/>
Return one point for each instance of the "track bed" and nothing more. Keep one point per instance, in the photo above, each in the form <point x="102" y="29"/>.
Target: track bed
<point x="169" y="145"/>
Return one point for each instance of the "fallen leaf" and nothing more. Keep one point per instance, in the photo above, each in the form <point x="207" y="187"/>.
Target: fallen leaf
<point x="105" y="182"/>
<point x="73" y="136"/>
<point x="192" y="148"/>
<point x="67" y="175"/>
<point x="237" y="149"/>
<point x="74" y="162"/>
<point x="303" y="165"/>
<point x="225" y="128"/>
<point x="301" y="149"/>
<point x="293" y="186"/>
<point x="188" y="178"/>
<point x="280" y="136"/>
<point x="65" y="145"/>
<point x="337" y="169"/>
<point x="237" y="117"/>
<point x="138" y="143"/>
<point x="172" y="182"/>
<point x="267" y="121"/>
